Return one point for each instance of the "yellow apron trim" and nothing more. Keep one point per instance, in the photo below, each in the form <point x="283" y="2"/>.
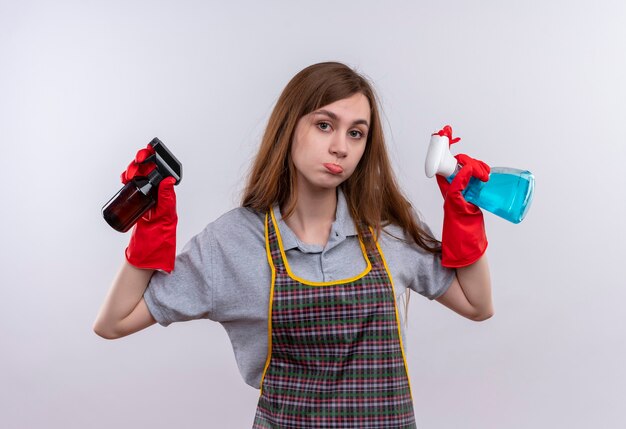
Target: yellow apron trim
<point x="395" y="305"/>
<point x="269" y="312"/>
<point x="310" y="283"/>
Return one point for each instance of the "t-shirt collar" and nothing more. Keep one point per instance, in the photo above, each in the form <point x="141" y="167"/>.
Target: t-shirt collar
<point x="342" y="227"/>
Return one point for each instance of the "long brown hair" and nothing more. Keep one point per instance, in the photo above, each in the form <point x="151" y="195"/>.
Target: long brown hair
<point x="372" y="192"/>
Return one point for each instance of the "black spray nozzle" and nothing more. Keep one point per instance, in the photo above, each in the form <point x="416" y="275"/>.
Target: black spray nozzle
<point x="166" y="162"/>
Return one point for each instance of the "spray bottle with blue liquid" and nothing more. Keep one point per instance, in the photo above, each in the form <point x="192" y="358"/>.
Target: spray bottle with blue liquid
<point x="508" y="193"/>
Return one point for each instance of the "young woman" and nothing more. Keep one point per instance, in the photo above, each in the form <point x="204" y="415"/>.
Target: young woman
<point x="305" y="276"/>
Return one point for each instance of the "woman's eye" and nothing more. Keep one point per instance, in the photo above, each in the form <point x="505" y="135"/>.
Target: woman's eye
<point x="356" y="134"/>
<point x="324" y="126"/>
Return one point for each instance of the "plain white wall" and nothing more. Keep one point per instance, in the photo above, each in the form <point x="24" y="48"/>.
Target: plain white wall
<point x="536" y="85"/>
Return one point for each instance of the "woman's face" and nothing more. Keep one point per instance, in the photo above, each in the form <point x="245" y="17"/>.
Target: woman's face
<point x="329" y="142"/>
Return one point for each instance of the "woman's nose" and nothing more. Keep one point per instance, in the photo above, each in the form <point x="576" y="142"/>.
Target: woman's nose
<point x="339" y="145"/>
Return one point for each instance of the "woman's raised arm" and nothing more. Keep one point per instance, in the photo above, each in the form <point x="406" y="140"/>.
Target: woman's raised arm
<point x="124" y="310"/>
<point x="152" y="246"/>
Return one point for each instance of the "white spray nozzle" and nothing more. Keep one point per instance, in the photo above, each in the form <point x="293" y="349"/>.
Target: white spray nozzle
<point x="439" y="160"/>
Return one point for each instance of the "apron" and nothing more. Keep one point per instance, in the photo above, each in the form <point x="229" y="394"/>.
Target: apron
<point x="335" y="355"/>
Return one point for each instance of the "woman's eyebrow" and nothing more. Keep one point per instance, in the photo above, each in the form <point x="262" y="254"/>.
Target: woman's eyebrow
<point x="334" y="117"/>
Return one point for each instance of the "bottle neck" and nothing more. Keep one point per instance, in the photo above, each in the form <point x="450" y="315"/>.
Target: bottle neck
<point x="456" y="171"/>
<point x="153" y="180"/>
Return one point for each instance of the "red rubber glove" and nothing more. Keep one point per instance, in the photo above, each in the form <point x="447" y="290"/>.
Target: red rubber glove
<point x="463" y="239"/>
<point x="153" y="239"/>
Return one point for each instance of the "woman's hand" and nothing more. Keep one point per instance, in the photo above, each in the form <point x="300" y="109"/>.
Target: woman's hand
<point x="153" y="239"/>
<point x="463" y="238"/>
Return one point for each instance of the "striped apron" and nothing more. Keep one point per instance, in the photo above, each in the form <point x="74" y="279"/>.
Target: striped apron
<point x="335" y="355"/>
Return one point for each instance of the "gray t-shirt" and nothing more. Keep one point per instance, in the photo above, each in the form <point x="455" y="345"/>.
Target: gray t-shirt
<point x="223" y="274"/>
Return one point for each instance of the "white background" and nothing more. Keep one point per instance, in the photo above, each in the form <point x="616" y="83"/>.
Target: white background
<point x="538" y="85"/>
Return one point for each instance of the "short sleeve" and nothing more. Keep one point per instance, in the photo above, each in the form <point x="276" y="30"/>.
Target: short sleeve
<point x="186" y="293"/>
<point x="414" y="267"/>
<point x="433" y="279"/>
